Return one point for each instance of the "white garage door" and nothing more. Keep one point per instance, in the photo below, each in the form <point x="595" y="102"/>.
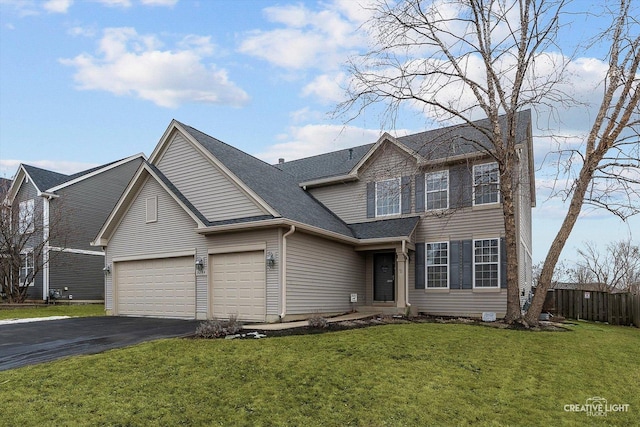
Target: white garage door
<point x="238" y="282"/>
<point x="157" y="287"/>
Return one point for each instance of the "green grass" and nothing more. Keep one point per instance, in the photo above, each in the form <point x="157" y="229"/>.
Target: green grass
<point x="393" y="375"/>
<point x="74" y="310"/>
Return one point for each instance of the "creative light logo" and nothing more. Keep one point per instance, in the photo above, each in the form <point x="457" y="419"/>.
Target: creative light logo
<point x="596" y="407"/>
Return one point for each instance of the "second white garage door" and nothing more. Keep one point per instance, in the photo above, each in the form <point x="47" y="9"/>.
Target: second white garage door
<point x="162" y="287"/>
<point x="238" y="285"/>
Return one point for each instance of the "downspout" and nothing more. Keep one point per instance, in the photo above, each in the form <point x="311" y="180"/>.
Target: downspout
<point x="283" y="298"/>
<point x="406" y="273"/>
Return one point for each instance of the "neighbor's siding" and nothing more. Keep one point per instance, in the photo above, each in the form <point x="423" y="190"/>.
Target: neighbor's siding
<point x="211" y="192"/>
<point x="88" y="203"/>
<point x="271" y="238"/>
<point x="81" y="273"/>
<point x="322" y="274"/>
<point x="173" y="232"/>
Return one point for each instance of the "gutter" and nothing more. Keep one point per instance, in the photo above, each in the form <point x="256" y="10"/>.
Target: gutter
<point x="284" y="271"/>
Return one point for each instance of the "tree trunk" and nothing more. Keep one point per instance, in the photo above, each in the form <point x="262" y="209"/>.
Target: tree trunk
<point x="514" y="312"/>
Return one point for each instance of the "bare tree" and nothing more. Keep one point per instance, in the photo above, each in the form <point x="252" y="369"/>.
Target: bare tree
<point x="617" y="269"/>
<point x="24" y="243"/>
<point x="458" y="60"/>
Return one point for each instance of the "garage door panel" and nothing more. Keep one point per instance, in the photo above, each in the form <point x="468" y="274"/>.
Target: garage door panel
<point x="238" y="283"/>
<point x="158" y="287"/>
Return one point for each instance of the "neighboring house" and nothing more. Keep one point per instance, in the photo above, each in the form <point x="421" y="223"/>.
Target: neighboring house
<point x="413" y="223"/>
<point x="82" y="202"/>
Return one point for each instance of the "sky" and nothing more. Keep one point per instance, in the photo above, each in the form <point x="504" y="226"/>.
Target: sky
<point x="86" y="82"/>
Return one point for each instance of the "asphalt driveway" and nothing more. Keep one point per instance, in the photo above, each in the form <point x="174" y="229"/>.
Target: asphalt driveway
<point x="37" y="342"/>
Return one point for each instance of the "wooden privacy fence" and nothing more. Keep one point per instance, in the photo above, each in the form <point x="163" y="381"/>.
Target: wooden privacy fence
<point x="616" y="309"/>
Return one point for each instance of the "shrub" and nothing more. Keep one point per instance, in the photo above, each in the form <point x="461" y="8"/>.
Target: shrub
<point x="318" y="322"/>
<point x="218" y="328"/>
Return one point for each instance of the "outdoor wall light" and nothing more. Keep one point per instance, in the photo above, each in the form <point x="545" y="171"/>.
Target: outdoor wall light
<point x="199" y="265"/>
<point x="271" y="260"/>
<point x="107" y="270"/>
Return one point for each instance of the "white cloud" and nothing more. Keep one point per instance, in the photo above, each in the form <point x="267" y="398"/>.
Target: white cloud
<point x="326" y="88"/>
<point x="115" y="3"/>
<point x="57" y="6"/>
<point x="129" y="64"/>
<point x="168" y="3"/>
<point x="320" y="39"/>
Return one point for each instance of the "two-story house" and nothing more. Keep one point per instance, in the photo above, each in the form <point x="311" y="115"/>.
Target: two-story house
<point x="412" y="223"/>
<point x="60" y="215"/>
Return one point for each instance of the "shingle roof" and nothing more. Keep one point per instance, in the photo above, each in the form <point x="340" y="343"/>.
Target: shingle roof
<point x="432" y="145"/>
<point x="325" y="165"/>
<point x="45" y="179"/>
<point x="278" y="189"/>
<point x="397" y="227"/>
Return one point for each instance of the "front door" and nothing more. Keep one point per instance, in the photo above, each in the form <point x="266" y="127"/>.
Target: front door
<point x="384" y="277"/>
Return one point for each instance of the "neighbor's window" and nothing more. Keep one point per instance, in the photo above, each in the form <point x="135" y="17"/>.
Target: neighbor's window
<point x="388" y="197"/>
<point x="437" y="190"/>
<point x="486" y="181"/>
<point x="26" y="267"/>
<point x="25" y="216"/>
<point x="437" y="265"/>
<point x="486" y="263"/>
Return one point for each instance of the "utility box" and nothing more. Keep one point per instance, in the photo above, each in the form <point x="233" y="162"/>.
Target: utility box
<point x="488" y="316"/>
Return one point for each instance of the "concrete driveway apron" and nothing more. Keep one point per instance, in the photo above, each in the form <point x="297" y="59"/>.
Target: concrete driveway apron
<point x="24" y="344"/>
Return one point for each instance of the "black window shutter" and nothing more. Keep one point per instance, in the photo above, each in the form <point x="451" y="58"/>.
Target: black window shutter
<point x="503" y="263"/>
<point x="371" y="199"/>
<point x="420" y="193"/>
<point x="467" y="264"/>
<point x="460" y="186"/>
<point x="455" y="265"/>
<point x="405" y="183"/>
<point x="420" y="272"/>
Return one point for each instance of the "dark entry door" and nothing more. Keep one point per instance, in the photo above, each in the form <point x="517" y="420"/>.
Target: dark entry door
<point x="384" y="268"/>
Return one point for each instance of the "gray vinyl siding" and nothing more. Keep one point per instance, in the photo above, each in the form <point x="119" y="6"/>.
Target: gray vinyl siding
<point x="88" y="203"/>
<point x="458" y="302"/>
<point x="349" y="200"/>
<point x="270" y="237"/>
<point x="81" y="273"/>
<point x="469" y="223"/>
<point x="28" y="191"/>
<point x="321" y="275"/>
<point x="173" y="232"/>
<point x="210" y="191"/>
<point x="525" y="262"/>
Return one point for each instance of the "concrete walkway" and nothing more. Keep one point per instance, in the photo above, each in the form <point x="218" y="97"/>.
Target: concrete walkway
<point x="303" y="323"/>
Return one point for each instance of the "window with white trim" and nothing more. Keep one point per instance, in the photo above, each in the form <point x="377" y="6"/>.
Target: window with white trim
<point x="437" y="265"/>
<point x="437" y="190"/>
<point x="486" y="263"/>
<point x="26" y="267"/>
<point x="388" y="197"/>
<point x="486" y="182"/>
<point x="26" y="216"/>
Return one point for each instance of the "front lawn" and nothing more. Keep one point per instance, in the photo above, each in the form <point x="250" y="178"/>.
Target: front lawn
<point x="392" y="375"/>
<point x="72" y="310"/>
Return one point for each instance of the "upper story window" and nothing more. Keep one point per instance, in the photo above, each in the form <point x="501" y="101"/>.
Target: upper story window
<point x="437" y="265"/>
<point x="437" y="190"/>
<point x="26" y="216"/>
<point x="388" y="197"/>
<point x="486" y="181"/>
<point x="486" y="263"/>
